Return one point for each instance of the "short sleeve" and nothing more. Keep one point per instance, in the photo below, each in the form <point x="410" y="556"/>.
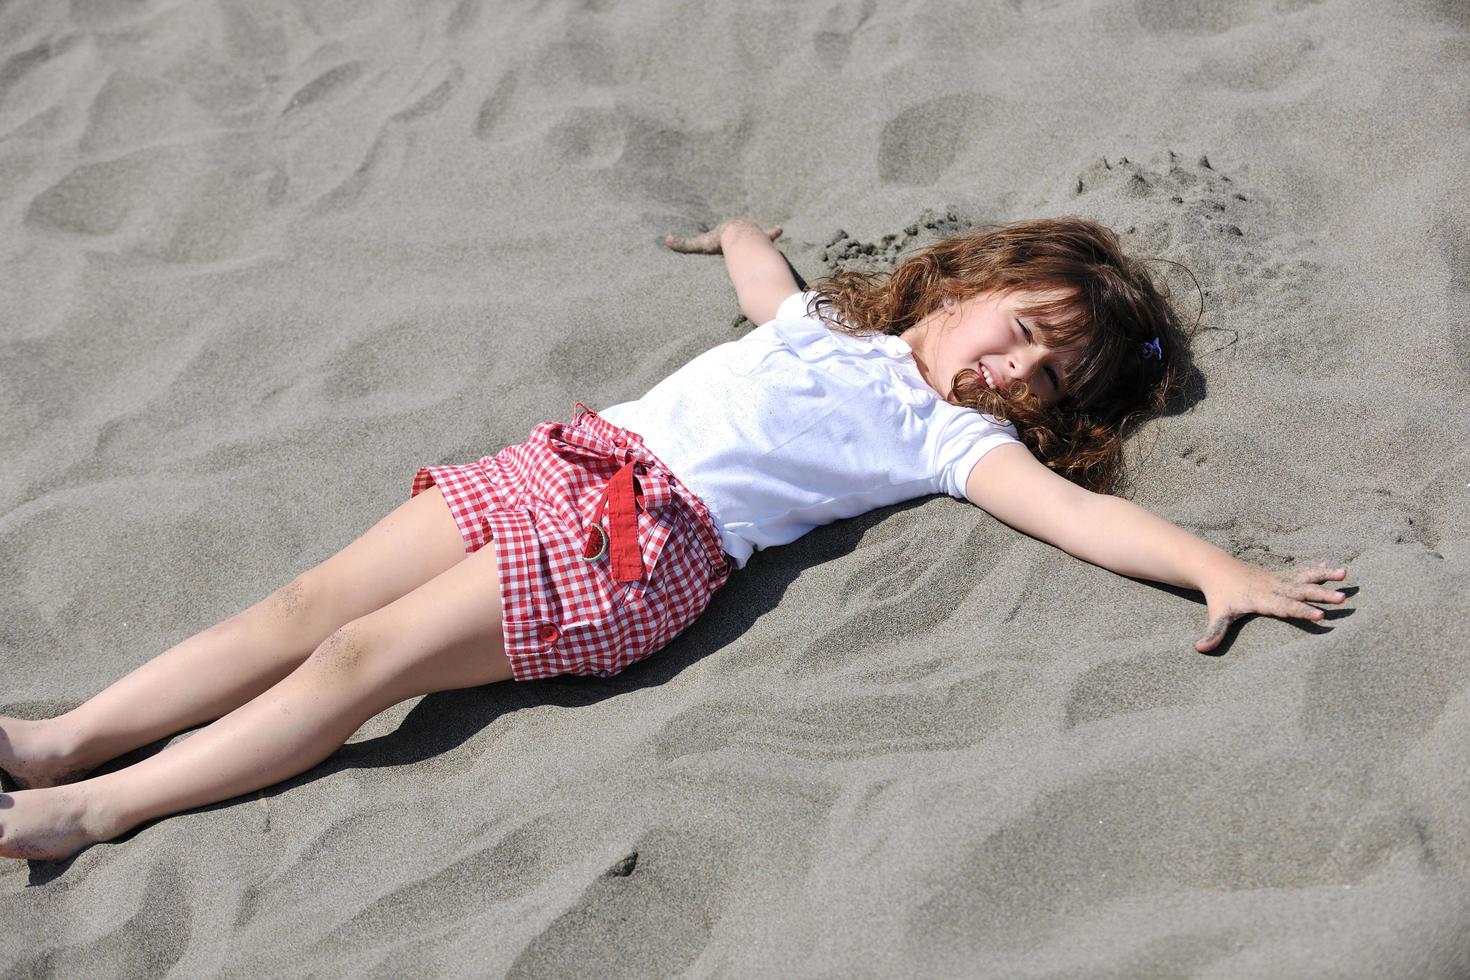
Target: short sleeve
<point x="793" y="307"/>
<point x="962" y="444"/>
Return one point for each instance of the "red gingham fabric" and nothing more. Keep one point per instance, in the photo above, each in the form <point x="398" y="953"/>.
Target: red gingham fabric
<point x="539" y="501"/>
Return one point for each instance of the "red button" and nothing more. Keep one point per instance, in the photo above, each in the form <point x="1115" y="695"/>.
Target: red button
<point x="619" y="441"/>
<point x="549" y="633"/>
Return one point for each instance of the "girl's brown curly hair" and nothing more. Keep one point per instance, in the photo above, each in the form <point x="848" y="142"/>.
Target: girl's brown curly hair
<point x="1102" y="303"/>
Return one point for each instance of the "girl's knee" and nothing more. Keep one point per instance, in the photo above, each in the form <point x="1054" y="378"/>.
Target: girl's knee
<point x="343" y="651"/>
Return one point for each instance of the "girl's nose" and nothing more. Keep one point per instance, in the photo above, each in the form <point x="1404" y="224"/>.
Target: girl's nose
<point x="1021" y="364"/>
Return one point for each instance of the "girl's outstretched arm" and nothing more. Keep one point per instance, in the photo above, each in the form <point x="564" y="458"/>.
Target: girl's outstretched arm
<point x="761" y="276"/>
<point x="1121" y="536"/>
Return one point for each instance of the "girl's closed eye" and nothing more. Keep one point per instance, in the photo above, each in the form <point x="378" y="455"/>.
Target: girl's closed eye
<point x="1050" y="374"/>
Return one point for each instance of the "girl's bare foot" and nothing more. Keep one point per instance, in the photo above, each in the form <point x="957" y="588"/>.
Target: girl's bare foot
<point x="31" y="755"/>
<point x="47" y="824"/>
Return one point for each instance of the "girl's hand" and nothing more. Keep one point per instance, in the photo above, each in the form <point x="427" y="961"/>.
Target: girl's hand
<point x="709" y="242"/>
<point x="1246" y="589"/>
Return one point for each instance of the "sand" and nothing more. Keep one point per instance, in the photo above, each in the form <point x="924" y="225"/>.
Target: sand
<point x="261" y="261"/>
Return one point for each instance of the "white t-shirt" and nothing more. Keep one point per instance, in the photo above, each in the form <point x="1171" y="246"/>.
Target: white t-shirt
<point x="795" y="425"/>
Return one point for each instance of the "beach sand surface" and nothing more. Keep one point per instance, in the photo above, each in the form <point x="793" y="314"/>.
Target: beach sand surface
<point x="261" y="261"/>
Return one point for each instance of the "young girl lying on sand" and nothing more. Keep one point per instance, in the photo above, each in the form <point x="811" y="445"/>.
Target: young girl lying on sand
<point x="596" y="542"/>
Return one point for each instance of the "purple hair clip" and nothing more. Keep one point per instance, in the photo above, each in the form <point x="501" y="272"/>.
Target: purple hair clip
<point x="1152" y="349"/>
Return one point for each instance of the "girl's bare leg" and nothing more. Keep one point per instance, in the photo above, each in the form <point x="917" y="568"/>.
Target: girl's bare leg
<point x="445" y="634"/>
<point x="217" y="670"/>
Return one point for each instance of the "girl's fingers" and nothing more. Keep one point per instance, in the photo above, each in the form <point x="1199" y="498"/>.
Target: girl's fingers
<point x="1307" y="573"/>
<point x="1288" y="601"/>
<point x="709" y="242"/>
<point x="1300" y="610"/>
<point x="1214" y="633"/>
<point x="1290" y="596"/>
<point x="689" y="246"/>
<point x="1320" y="572"/>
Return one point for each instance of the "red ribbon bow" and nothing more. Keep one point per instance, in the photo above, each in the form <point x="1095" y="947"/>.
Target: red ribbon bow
<point x="620" y="534"/>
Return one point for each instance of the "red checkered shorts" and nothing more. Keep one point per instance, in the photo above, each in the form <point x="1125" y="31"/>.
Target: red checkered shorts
<point x="545" y="502"/>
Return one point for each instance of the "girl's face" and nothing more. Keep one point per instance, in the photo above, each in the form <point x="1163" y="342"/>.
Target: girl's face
<point x="988" y="334"/>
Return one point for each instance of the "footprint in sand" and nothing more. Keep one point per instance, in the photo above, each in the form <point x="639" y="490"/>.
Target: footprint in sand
<point x="1127" y="685"/>
<point x="15" y="68"/>
<point x="463" y="17"/>
<point x="324" y="85"/>
<point x="495" y="105"/>
<point x="834" y="41"/>
<point x="590" y="137"/>
<point x="435" y="99"/>
<point x="920" y="143"/>
<point x="94" y="199"/>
